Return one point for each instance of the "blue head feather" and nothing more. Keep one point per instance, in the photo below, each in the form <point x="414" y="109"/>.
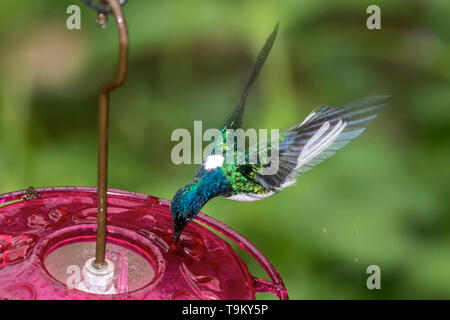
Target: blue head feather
<point x="188" y="200"/>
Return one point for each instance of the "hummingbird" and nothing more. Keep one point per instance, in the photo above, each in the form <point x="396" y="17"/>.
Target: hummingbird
<point x="300" y="147"/>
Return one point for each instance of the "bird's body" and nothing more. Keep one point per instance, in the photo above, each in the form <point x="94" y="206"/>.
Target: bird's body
<point x="297" y="149"/>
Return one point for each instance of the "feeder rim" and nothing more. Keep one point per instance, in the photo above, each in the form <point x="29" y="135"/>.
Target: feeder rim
<point x="277" y="285"/>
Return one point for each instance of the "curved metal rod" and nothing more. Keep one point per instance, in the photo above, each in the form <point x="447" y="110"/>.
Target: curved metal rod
<point x="103" y="115"/>
<point x="101" y="7"/>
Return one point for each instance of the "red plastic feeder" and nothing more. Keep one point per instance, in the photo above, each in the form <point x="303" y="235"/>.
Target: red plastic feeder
<point x="44" y="243"/>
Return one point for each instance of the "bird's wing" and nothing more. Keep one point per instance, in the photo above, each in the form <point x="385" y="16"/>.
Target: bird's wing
<point x="235" y="121"/>
<point x="318" y="137"/>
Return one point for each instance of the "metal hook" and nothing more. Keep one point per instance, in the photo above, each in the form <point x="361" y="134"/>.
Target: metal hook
<point x="102" y="7"/>
<point x="113" y="6"/>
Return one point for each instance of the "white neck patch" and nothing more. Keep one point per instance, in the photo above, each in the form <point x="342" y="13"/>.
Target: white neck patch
<point x="214" y="161"/>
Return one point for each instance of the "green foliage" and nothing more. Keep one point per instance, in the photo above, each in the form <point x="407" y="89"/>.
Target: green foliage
<point x="383" y="199"/>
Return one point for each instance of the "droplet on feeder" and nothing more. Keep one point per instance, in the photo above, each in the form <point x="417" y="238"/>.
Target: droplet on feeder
<point x="102" y="19"/>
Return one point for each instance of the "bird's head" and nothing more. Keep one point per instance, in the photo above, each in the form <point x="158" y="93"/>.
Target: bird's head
<point x="184" y="207"/>
<point x="208" y="183"/>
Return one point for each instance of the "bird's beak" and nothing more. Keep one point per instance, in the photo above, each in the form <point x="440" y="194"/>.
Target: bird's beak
<point x="176" y="236"/>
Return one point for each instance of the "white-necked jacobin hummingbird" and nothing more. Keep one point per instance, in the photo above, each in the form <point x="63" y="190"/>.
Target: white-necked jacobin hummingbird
<point x="299" y="148"/>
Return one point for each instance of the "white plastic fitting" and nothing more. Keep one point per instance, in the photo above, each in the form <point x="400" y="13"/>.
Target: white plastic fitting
<point x="98" y="281"/>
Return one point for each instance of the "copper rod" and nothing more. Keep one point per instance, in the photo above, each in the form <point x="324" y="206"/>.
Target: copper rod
<point x="103" y="116"/>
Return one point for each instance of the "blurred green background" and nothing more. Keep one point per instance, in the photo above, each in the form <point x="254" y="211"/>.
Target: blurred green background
<point x="383" y="199"/>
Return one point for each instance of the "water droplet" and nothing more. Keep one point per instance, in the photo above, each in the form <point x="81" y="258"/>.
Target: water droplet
<point x="16" y="249"/>
<point x="20" y="291"/>
<point x="357" y="231"/>
<point x="149" y="218"/>
<point x="194" y="246"/>
<point x="152" y="236"/>
<point x="164" y="202"/>
<point x="324" y="230"/>
<point x="356" y="259"/>
<point x="55" y="215"/>
<point x="39" y="221"/>
<point x="203" y="283"/>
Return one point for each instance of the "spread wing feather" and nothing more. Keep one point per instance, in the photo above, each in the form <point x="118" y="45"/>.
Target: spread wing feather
<point x="318" y="137"/>
<point x="235" y="121"/>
